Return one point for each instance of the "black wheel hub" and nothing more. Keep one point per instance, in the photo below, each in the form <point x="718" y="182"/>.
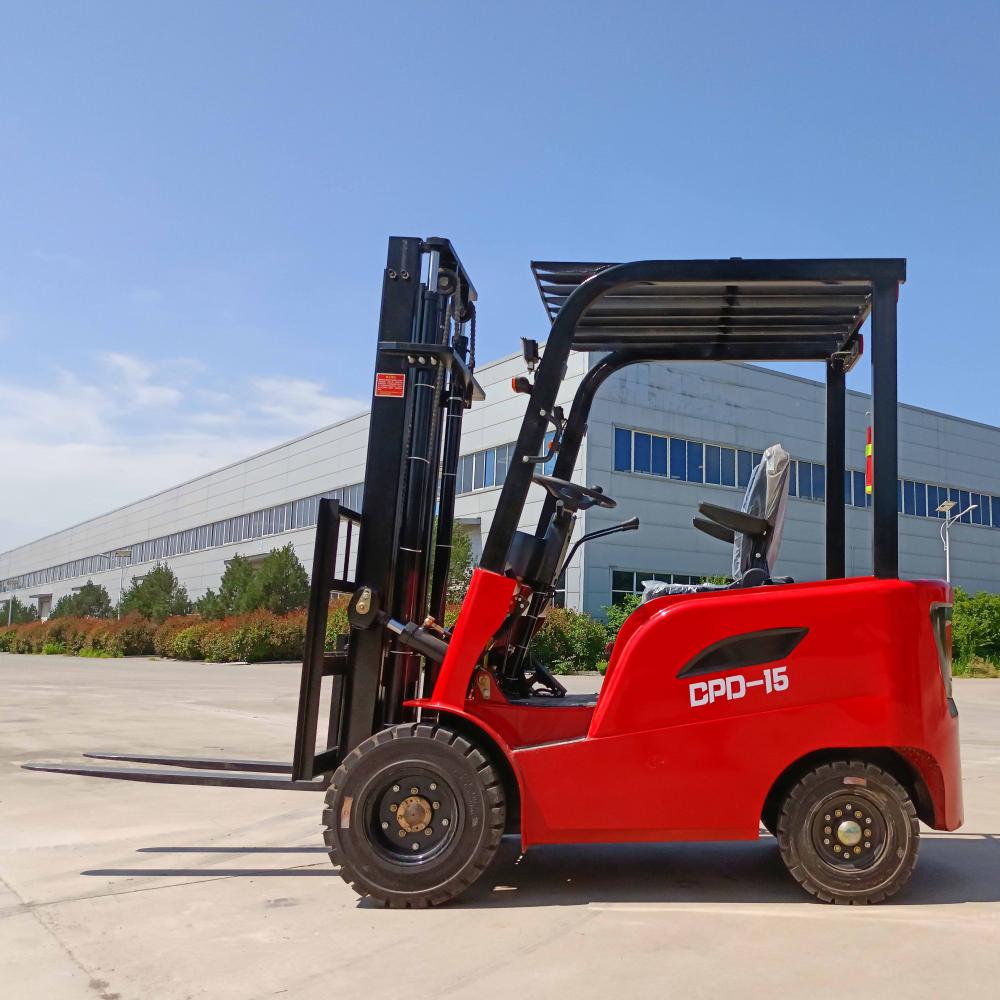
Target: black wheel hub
<point x="849" y="831"/>
<point x="413" y="816"/>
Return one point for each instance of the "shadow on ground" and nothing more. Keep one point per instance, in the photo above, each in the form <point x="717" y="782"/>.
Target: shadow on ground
<point x="953" y="868"/>
<point x="959" y="868"/>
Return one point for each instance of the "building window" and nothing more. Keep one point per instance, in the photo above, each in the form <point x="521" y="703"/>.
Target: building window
<point x="807" y="481"/>
<point x="642" y="455"/>
<point x="660" y="456"/>
<point x="678" y="459"/>
<point x="486" y="469"/>
<point x="713" y="464"/>
<point x="623" y="450"/>
<point x="695" y="462"/>
<point x="257" y="524"/>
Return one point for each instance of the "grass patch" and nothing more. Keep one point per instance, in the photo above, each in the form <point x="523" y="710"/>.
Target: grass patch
<point x="975" y="666"/>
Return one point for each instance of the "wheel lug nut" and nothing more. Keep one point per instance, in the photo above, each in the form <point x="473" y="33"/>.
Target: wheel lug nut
<point x="395" y="788"/>
<point x="827" y="817"/>
<point x="826" y="841"/>
<point x="857" y="814"/>
<point x="838" y="812"/>
<point x="444" y="822"/>
<point x="868" y="833"/>
<point x="393" y="807"/>
<point x="435" y="805"/>
<point x="402" y="833"/>
<point x="857" y="850"/>
<point x="827" y="829"/>
<point x="415" y="846"/>
<point x="385" y="826"/>
<point x="414" y="790"/>
<point x="428" y="831"/>
<point x="434" y="786"/>
<point x="867" y="844"/>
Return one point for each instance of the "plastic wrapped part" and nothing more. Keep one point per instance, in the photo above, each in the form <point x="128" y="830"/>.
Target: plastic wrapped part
<point x="766" y="497"/>
<point x="656" y="588"/>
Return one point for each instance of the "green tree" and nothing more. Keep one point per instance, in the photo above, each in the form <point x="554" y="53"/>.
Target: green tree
<point x="90" y="601"/>
<point x="157" y="596"/>
<point x="279" y="584"/>
<point x="233" y="587"/>
<point x="18" y="613"/>
<point x="461" y="566"/>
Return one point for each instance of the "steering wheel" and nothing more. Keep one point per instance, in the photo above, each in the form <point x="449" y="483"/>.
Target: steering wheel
<point x="572" y="495"/>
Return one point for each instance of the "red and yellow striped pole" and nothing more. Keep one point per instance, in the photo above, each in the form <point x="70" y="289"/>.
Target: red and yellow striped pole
<point x="868" y="462"/>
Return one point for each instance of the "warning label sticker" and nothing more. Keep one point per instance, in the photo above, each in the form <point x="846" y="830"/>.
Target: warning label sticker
<point x="390" y="384"/>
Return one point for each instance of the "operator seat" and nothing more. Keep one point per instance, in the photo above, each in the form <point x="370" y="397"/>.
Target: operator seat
<point x="754" y="531"/>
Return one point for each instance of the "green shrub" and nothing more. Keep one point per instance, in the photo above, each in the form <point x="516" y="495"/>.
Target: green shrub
<point x="166" y="632"/>
<point x="31" y="637"/>
<point x="76" y="633"/>
<point x="128" y="636"/>
<point x="975" y="629"/>
<point x="188" y="642"/>
<point x="257" y="636"/>
<point x="569" y="641"/>
<point x="53" y="649"/>
<point x="336" y="621"/>
<point x="617" y="613"/>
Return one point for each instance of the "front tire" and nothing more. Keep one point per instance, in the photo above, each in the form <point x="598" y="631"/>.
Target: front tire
<point x="848" y="833"/>
<point x="414" y="815"/>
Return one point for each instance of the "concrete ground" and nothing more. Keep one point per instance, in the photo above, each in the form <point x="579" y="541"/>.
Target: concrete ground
<point x="122" y="890"/>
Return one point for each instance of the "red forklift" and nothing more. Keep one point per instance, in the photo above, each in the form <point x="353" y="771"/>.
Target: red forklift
<point x="820" y="710"/>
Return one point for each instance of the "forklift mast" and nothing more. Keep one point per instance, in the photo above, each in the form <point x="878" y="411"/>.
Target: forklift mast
<point x="423" y="384"/>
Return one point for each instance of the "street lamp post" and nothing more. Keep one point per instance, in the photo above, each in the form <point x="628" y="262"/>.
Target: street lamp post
<point x="121" y="555"/>
<point x="946" y="508"/>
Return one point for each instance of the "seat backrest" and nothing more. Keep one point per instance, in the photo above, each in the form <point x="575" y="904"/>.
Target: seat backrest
<point x="766" y="497"/>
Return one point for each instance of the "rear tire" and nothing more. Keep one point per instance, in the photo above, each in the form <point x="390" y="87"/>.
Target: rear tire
<point x="414" y="816"/>
<point x="848" y="833"/>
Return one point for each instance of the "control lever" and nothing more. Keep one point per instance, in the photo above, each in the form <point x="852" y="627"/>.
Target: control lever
<point x="632" y="524"/>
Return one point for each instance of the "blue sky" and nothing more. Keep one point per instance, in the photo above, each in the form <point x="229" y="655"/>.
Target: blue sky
<point x="196" y="197"/>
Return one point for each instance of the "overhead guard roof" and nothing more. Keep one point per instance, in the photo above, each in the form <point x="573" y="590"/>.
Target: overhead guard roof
<point x="723" y="309"/>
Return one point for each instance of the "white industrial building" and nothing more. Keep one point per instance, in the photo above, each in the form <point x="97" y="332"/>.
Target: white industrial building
<point x="661" y="437"/>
